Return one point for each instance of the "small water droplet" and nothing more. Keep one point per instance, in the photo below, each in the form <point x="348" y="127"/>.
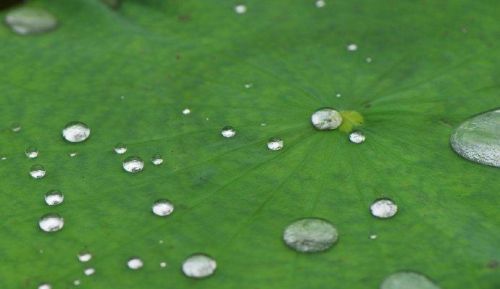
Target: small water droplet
<point x="157" y="160"/>
<point x="478" y="139"/>
<point x="76" y="132"/>
<point x="160" y="242"/>
<point x="408" y="280"/>
<point x="248" y="85"/>
<point x="89" y="271"/>
<point x="135" y="263"/>
<point x="30" y="20"/>
<point x="240" y="9"/>
<point x="133" y="164"/>
<point x="384" y="208"/>
<point x="37" y="171"/>
<point x="53" y="198"/>
<point x="373" y="237"/>
<point x="31" y="152"/>
<point x="77" y="282"/>
<point x="352" y="47"/>
<point x="310" y="235"/>
<point x="84" y="256"/>
<point x="338" y="95"/>
<point x="228" y="132"/>
<point x="326" y="119"/>
<point x="163" y="264"/>
<point x="162" y="208"/>
<point x="320" y="3"/>
<point x="15" y="127"/>
<point x="44" y="286"/>
<point x="275" y="144"/>
<point x="263" y="124"/>
<point x="120" y="148"/>
<point x="186" y="111"/>
<point x="73" y="154"/>
<point x="369" y="60"/>
<point x="51" y="223"/>
<point x="357" y="137"/>
<point x="199" y="266"/>
<point x="3" y="158"/>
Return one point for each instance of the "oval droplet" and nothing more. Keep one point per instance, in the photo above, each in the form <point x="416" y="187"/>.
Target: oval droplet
<point x="84" y="256"/>
<point x="15" y="127"/>
<point x="352" y="47"/>
<point x="89" y="271"/>
<point x="120" y="148"/>
<point x="384" y="208"/>
<point x="51" y="223"/>
<point x="310" y="235"/>
<point x="228" y="132"/>
<point x="44" y="286"/>
<point x="326" y="119"/>
<point x="157" y="160"/>
<point x="408" y="280"/>
<point x="199" y="266"/>
<point x="163" y="264"/>
<point x="240" y="9"/>
<point x="478" y="139"/>
<point x="135" y="263"/>
<point x="53" y="198"/>
<point x="31" y="152"/>
<point x="357" y="137"/>
<point x="275" y="144"/>
<point x="76" y="132"/>
<point x="133" y="164"/>
<point x="186" y="111"/>
<point x="37" y="171"/>
<point x="30" y="20"/>
<point x="162" y="208"/>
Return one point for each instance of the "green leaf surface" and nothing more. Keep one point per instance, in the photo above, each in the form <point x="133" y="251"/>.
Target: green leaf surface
<point x="129" y="72"/>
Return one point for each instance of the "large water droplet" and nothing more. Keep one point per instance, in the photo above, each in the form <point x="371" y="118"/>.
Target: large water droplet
<point x="199" y="266"/>
<point x="37" y="171"/>
<point x="120" y="148"/>
<point x="326" y="119"/>
<point x="89" y="271"/>
<point x="228" y="132"/>
<point x="407" y="280"/>
<point x="383" y="208"/>
<point x="76" y="132"/>
<point x="31" y="152"/>
<point x="478" y="139"/>
<point x="163" y="208"/>
<point x="275" y="144"/>
<point x="310" y="235"/>
<point x="84" y="256"/>
<point x="44" y="286"/>
<point x="51" y="223"/>
<point x="357" y="137"/>
<point x="30" y="20"/>
<point x="133" y="164"/>
<point x="135" y="263"/>
<point x="53" y="198"/>
<point x="157" y="160"/>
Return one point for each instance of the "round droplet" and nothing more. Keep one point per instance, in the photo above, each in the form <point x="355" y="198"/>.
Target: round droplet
<point x="478" y="139"/>
<point x="275" y="144"/>
<point x="51" y="223"/>
<point x="53" y="198"/>
<point x="326" y="119"/>
<point x="408" y="280"/>
<point x="228" y="132"/>
<point x="44" y="286"/>
<point x="163" y="208"/>
<point x="15" y="127"/>
<point x="373" y="237"/>
<point x="320" y="3"/>
<point x="135" y="263"/>
<point x="352" y="47"/>
<point x="163" y="264"/>
<point x="84" y="256"/>
<point x="357" y="137"/>
<point x="310" y="235"/>
<point x="133" y="164"/>
<point x="383" y="208"/>
<point x="37" y="171"/>
<point x="199" y="266"/>
<point x="157" y="160"/>
<point x="186" y="111"/>
<point x="31" y="152"/>
<point x="240" y="9"/>
<point x="120" y="148"/>
<point x="75" y="132"/>
<point x="30" y="20"/>
<point x="369" y="60"/>
<point x="89" y="271"/>
<point x="77" y="282"/>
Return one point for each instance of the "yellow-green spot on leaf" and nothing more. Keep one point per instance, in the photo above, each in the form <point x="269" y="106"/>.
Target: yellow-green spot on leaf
<point x="350" y="120"/>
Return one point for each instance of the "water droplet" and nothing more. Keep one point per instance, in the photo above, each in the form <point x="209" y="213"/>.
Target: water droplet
<point x="133" y="164"/>
<point x="3" y="158"/>
<point x="77" y="282"/>
<point x="310" y="235"/>
<point x="383" y="208"/>
<point x="320" y="3"/>
<point x="263" y="124"/>
<point x="326" y="119"/>
<point x="51" y="223"/>
<point x="37" y="171"/>
<point x="478" y="139"/>
<point x="30" y="20"/>
<point x="248" y="85"/>
<point x="53" y="198"/>
<point x="408" y="280"/>
<point x="275" y="144"/>
<point x="186" y="111"/>
<point x="135" y="263"/>
<point x="357" y="137"/>
<point x="228" y="132"/>
<point x="162" y="208"/>
<point x="369" y="60"/>
<point x="15" y="127"/>
<point x="157" y="160"/>
<point x="163" y="264"/>
<point x="373" y="237"/>
<point x="160" y="242"/>
<point x="84" y="256"/>
<point x="73" y="154"/>
<point x="240" y="9"/>
<point x="338" y="95"/>
<point x="89" y="271"/>
<point x="120" y="148"/>
<point x="45" y="286"/>
<point x="76" y="132"/>
<point x="352" y="47"/>
<point x="31" y="152"/>
<point x="199" y="266"/>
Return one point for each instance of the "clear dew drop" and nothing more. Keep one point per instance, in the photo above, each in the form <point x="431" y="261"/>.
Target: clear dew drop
<point x="84" y="256"/>
<point x="51" y="223"/>
<point x="186" y="111"/>
<point x="157" y="160"/>
<point x="199" y="266"/>
<point x="248" y="85"/>
<point x="31" y="152"/>
<point x="373" y="237"/>
<point x="30" y="20"/>
<point x="228" y="132"/>
<point x="77" y="282"/>
<point x="478" y="139"/>
<point x="44" y="286"/>
<point x="369" y="60"/>
<point x="162" y="208"/>
<point x="338" y="95"/>
<point x="135" y="263"/>
<point x="15" y="127"/>
<point x="352" y="47"/>
<point x="163" y="264"/>
<point x="37" y="171"/>
<point x="275" y="144"/>
<point x="357" y="137"/>
<point x="73" y="154"/>
<point x="89" y="271"/>
<point x="75" y="132"/>
<point x="310" y="235"/>
<point x="120" y="148"/>
<point x="133" y="164"/>
<point x="53" y="198"/>
<point x="3" y="158"/>
<point x="240" y="9"/>
<point x="384" y="208"/>
<point x="408" y="280"/>
<point x="326" y="119"/>
<point x="320" y="3"/>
